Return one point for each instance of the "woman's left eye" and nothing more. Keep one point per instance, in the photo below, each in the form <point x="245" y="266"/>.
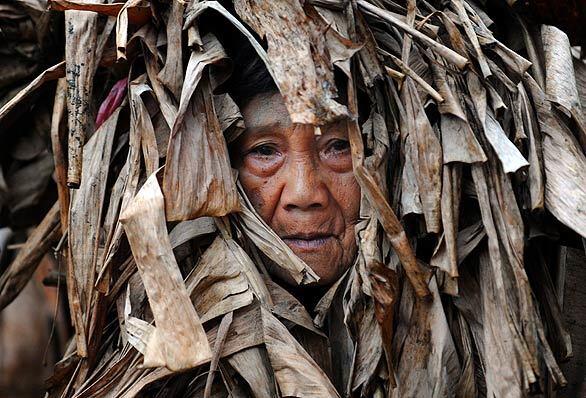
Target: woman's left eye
<point x="338" y="146"/>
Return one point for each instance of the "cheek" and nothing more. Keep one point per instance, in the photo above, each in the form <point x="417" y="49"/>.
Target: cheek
<point x="262" y="167"/>
<point x="346" y="191"/>
<point x="347" y="195"/>
<point x="262" y="192"/>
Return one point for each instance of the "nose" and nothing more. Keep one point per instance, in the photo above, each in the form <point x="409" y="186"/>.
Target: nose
<point x="304" y="187"/>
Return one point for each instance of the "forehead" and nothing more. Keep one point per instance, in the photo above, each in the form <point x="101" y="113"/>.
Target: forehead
<point x="267" y="111"/>
<point x="264" y="111"/>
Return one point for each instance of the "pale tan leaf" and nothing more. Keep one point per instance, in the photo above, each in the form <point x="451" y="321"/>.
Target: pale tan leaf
<point x="426" y="155"/>
<point x="294" y="43"/>
<point x="198" y="180"/>
<point x="273" y="246"/>
<point x="564" y="163"/>
<point x="86" y="210"/>
<point x="510" y="157"/>
<point x="224" y="280"/>
<point x="182" y="340"/>
<point x="296" y="373"/>
<point x="560" y="81"/>
<point x="81" y="29"/>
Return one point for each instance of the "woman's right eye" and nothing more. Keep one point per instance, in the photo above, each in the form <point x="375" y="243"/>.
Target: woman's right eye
<point x="263" y="150"/>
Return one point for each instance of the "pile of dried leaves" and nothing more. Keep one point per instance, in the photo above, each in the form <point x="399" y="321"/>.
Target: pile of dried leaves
<point x="471" y="164"/>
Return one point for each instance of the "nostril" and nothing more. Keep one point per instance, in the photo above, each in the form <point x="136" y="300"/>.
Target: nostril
<point x="292" y="206"/>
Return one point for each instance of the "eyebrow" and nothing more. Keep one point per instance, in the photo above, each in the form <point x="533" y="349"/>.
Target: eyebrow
<point x="264" y="128"/>
<point x="277" y="128"/>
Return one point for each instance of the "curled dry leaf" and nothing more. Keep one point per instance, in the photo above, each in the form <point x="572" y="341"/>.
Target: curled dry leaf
<point x="294" y="43"/>
<point x="564" y="165"/>
<point x="560" y="86"/>
<point x="273" y="246"/>
<point x="53" y="73"/>
<point x="225" y="280"/>
<point x="198" y="180"/>
<point x="179" y="336"/>
<point x="510" y="157"/>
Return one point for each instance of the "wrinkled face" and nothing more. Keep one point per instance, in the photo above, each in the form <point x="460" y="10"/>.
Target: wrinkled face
<point x="301" y="184"/>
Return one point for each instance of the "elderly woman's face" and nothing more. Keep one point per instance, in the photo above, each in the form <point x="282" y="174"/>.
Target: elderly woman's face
<point x="301" y="184"/>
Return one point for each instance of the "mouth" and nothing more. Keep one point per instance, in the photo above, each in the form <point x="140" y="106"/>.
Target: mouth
<point x="307" y="242"/>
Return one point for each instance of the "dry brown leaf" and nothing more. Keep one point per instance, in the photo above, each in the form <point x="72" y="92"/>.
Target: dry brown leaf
<point x="536" y="178"/>
<point x="58" y="134"/>
<point x="295" y="371"/>
<point x="81" y="41"/>
<point x="469" y="30"/>
<point x="225" y="280"/>
<point x="52" y="73"/>
<point x="187" y="230"/>
<point x="18" y="273"/>
<point x="220" y="339"/>
<point x="253" y="365"/>
<point x="229" y="116"/>
<point x="137" y="14"/>
<point x="294" y="42"/>
<point x="428" y="363"/>
<point x="85" y="212"/>
<point x="172" y="73"/>
<point x="560" y="82"/>
<point x="141" y="121"/>
<point x="122" y="22"/>
<point x="445" y="52"/>
<point x="179" y="334"/>
<point x="564" y="164"/>
<point x="426" y="155"/>
<point x="510" y="157"/>
<point x="198" y="180"/>
<point x="272" y="245"/>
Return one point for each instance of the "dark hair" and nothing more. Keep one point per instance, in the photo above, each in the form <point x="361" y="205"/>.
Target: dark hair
<point x="250" y="76"/>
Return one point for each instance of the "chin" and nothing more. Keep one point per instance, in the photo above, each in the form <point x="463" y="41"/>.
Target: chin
<point x="328" y="271"/>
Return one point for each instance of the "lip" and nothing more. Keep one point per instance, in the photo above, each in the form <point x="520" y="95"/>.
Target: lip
<point x="307" y="242"/>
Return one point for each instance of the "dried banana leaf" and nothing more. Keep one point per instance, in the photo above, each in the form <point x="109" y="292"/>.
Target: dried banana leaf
<point x="294" y="43"/>
<point x="198" y="180"/>
<point x="17" y="275"/>
<point x="272" y="245"/>
<point x="80" y="60"/>
<point x="464" y="119"/>
<point x="179" y="336"/>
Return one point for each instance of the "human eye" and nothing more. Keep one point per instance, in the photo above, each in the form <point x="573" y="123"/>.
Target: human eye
<point x="338" y="146"/>
<point x="336" y="154"/>
<point x="263" y="151"/>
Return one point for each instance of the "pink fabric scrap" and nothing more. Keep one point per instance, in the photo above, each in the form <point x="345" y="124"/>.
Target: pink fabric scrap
<point x="112" y="101"/>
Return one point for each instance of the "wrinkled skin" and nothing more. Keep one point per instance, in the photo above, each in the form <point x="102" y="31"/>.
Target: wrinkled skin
<point x="301" y="184"/>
